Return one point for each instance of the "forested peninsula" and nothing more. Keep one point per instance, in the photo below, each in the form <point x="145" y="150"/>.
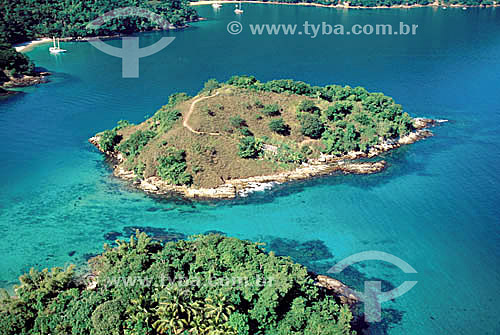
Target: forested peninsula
<point x="26" y="20"/>
<point x="210" y="284"/>
<point x="243" y="135"/>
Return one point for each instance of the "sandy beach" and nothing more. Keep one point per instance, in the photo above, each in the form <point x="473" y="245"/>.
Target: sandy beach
<point x="344" y="6"/>
<point x="23" y="47"/>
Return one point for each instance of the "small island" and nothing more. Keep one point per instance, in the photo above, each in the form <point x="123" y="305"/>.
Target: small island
<point x="243" y="135"/>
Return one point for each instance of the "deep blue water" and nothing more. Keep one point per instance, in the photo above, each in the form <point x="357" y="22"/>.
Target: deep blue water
<point x="436" y="206"/>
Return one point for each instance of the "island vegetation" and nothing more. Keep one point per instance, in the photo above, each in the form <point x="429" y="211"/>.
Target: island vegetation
<point x="209" y="284"/>
<point x="244" y="128"/>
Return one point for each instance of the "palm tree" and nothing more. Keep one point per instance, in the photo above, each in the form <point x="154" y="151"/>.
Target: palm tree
<point x="139" y="311"/>
<point x="218" y="309"/>
<point x="175" y="311"/>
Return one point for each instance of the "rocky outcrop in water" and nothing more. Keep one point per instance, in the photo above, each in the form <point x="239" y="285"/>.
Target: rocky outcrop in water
<point x="25" y="80"/>
<point x="339" y="289"/>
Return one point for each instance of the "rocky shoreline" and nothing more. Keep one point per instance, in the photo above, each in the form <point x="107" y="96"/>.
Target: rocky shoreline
<point x="345" y="5"/>
<point x="26" y="80"/>
<point x="234" y="188"/>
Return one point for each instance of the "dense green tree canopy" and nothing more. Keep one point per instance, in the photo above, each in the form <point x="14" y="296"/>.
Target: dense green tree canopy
<point x="207" y="285"/>
<point x="22" y="20"/>
<point x="13" y="63"/>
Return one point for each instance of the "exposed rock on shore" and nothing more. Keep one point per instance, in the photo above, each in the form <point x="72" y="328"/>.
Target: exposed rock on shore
<point x="25" y="80"/>
<point x="339" y="289"/>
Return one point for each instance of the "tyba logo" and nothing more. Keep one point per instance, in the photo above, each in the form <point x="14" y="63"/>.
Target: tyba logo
<point x="130" y="53"/>
<point x="373" y="296"/>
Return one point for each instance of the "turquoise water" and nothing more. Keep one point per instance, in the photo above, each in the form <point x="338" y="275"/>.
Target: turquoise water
<point x="436" y="206"/>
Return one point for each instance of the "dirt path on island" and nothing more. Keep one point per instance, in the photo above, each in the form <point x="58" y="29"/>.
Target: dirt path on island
<point x="191" y="110"/>
<point x="186" y="125"/>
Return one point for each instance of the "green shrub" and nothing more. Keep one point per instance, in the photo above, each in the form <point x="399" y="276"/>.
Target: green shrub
<point x="279" y="86"/>
<point x="339" y="110"/>
<point x="341" y="141"/>
<point x="306" y="150"/>
<point x="134" y="144"/>
<point x="286" y="154"/>
<point x="258" y="104"/>
<point x="122" y="124"/>
<point x="237" y="121"/>
<point x="139" y="169"/>
<point x="108" y="140"/>
<point x="278" y="126"/>
<point x="245" y="131"/>
<point x="405" y="124"/>
<point x="211" y="85"/>
<point x="307" y="106"/>
<point x="311" y="125"/>
<point x="249" y="147"/>
<point x="172" y="167"/>
<point x="337" y="92"/>
<point x="243" y="81"/>
<point x="166" y="116"/>
<point x="357" y="119"/>
<point x="271" y="110"/>
<point x="289" y="86"/>
<point x="360" y="93"/>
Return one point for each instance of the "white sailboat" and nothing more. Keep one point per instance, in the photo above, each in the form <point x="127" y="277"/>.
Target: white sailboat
<point x="56" y="49"/>
<point x="238" y="9"/>
<point x="216" y="5"/>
